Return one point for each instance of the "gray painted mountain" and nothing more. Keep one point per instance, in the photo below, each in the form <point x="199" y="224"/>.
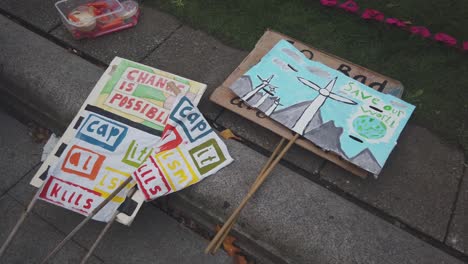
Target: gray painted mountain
<point x="242" y="86"/>
<point x="327" y="137"/>
<point x="365" y="159"/>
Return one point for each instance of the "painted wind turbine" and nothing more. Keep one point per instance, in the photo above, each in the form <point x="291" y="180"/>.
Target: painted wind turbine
<point x="261" y="86"/>
<point x="314" y="106"/>
<point x="273" y="107"/>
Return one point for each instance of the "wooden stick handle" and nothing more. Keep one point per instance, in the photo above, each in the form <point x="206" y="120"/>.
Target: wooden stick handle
<point x="265" y="167"/>
<point x="251" y="192"/>
<point x="19" y="223"/>
<point x="99" y="238"/>
<point x="104" y="231"/>
<point x="221" y="239"/>
<point x="91" y="215"/>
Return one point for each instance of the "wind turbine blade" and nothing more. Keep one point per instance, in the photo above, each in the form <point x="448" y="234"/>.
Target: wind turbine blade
<point x="331" y="84"/>
<point x="309" y="83"/>
<point x="271" y="77"/>
<point x="260" y="78"/>
<point x="342" y="99"/>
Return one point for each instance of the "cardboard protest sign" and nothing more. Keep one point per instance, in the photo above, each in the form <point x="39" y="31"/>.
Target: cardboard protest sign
<point x="110" y="137"/>
<point x="224" y="97"/>
<point x="335" y="112"/>
<point x="188" y="152"/>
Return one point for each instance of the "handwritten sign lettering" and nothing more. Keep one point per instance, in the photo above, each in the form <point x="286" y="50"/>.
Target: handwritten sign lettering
<point x="195" y="126"/>
<point x="70" y="195"/>
<point x="154" y="80"/>
<point x="111" y="180"/>
<point x="83" y="162"/>
<point x="102" y="132"/>
<point x="151" y="179"/>
<point x="176" y="168"/>
<point x="137" y="107"/>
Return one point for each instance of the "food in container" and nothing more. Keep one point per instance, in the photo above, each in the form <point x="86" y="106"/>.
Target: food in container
<point x="91" y="18"/>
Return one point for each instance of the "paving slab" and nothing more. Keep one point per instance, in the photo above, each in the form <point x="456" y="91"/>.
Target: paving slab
<point x="198" y="56"/>
<point x="44" y="75"/>
<point x="18" y="152"/>
<point x="302" y="221"/>
<point x="40" y="13"/>
<point x="458" y="232"/>
<point x="35" y="238"/>
<point x="133" y="43"/>
<point x="417" y="185"/>
<point x="268" y="140"/>
<point x="154" y="237"/>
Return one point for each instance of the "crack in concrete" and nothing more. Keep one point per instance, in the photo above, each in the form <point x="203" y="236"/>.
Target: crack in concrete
<point x="20" y="179"/>
<point x="455" y="202"/>
<point x="162" y="42"/>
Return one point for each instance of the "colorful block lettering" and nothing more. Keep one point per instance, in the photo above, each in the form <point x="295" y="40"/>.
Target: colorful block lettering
<point x="178" y="171"/>
<point x="70" y="195"/>
<point x="207" y="156"/>
<point x="82" y="162"/>
<point x="136" y="154"/>
<point x="102" y="132"/>
<point x="151" y="181"/>
<point x="111" y="180"/>
<point x="190" y="119"/>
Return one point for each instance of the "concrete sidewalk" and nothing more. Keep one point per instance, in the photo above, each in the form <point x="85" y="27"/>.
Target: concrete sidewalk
<point x="421" y="196"/>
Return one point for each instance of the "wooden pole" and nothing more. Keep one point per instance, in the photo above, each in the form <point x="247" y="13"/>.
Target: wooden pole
<point x="267" y="164"/>
<point x="261" y="178"/>
<point x="19" y="223"/>
<point x="86" y="220"/>
<point x="104" y="231"/>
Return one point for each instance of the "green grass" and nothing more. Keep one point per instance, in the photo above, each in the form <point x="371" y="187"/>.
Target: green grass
<point x="435" y="77"/>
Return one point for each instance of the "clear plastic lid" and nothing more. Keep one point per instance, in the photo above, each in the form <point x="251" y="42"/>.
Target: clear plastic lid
<point x="84" y="13"/>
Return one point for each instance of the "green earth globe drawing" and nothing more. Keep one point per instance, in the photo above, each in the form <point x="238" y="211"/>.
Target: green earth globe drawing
<point x="369" y="127"/>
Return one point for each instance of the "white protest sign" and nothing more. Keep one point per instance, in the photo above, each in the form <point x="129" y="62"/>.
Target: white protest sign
<point x="188" y="152"/>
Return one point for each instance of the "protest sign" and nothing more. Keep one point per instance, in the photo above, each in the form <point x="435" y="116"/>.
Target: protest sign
<point x="188" y="152"/>
<point x="226" y="98"/>
<point x="335" y="112"/>
<point x="110" y="137"/>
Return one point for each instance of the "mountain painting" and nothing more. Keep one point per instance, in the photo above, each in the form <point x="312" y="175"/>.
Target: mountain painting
<point x="332" y="110"/>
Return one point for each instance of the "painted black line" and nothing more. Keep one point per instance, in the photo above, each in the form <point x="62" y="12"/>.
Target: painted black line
<point x="291" y="67"/>
<point x="356" y="138"/>
<point x="375" y="108"/>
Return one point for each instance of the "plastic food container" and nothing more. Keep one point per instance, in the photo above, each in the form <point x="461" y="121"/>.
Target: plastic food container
<point x="93" y="18"/>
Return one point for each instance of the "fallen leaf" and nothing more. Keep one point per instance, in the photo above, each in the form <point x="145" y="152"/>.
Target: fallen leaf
<point x="40" y="135"/>
<point x="230" y="248"/>
<point x="228" y="134"/>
